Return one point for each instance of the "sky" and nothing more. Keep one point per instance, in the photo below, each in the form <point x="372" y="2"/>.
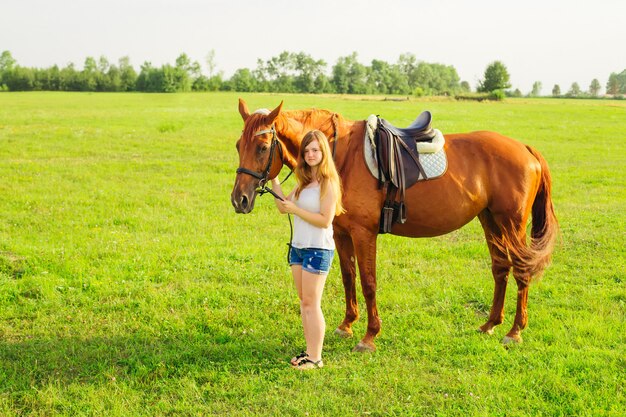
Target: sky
<point x="551" y="41"/>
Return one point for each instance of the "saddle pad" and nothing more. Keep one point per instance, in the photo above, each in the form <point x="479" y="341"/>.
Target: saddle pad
<point x="434" y="163"/>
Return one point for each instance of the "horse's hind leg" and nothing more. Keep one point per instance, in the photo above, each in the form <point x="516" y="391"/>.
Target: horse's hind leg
<point x="347" y="261"/>
<point x="513" y="227"/>
<point x="521" y="314"/>
<point x="500" y="270"/>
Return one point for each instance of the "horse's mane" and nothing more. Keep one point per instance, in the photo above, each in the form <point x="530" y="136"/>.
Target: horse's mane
<point x="296" y="123"/>
<point x="308" y="119"/>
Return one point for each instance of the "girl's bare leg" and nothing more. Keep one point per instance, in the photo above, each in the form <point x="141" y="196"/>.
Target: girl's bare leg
<point x="312" y="286"/>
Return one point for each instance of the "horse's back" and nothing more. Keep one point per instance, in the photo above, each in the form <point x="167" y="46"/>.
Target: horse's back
<point x="490" y="155"/>
<point x="486" y="170"/>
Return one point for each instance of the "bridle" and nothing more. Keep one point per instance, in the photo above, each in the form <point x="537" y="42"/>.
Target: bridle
<point x="263" y="177"/>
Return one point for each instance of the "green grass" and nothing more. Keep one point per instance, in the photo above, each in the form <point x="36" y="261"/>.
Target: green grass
<point x="129" y="287"/>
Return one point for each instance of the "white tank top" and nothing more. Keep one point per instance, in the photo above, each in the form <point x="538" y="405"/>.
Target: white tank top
<point x="305" y="235"/>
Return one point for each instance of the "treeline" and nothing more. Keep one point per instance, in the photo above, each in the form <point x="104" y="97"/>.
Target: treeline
<point x="615" y="86"/>
<point x="286" y="73"/>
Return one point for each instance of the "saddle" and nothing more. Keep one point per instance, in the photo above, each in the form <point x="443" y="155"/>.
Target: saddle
<point x="399" y="166"/>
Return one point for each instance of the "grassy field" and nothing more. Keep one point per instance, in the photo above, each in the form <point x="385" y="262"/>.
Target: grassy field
<point x="129" y="287"/>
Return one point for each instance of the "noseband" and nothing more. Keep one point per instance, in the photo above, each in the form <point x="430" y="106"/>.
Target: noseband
<point x="263" y="177"/>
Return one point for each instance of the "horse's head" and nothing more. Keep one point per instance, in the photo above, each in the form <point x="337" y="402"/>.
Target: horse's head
<point x="260" y="155"/>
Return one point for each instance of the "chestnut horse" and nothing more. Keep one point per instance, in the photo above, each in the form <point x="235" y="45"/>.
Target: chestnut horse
<point x="491" y="176"/>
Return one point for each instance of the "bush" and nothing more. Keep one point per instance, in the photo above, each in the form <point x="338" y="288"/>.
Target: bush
<point x="419" y="92"/>
<point x="496" y="95"/>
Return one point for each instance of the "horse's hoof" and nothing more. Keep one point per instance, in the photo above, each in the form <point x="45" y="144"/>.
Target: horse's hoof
<point x="346" y="334"/>
<point x="364" y="347"/>
<point x="485" y="331"/>
<point x="511" y="340"/>
<point x="487" y="328"/>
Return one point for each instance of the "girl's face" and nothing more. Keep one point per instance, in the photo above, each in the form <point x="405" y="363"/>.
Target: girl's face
<point x="313" y="154"/>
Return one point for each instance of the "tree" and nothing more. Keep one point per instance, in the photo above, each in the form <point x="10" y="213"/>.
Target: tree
<point x="6" y="65"/>
<point x="52" y="79"/>
<point x="556" y="91"/>
<point x="349" y="76"/>
<point x="594" y="87"/>
<point x="149" y="79"/>
<point x="89" y="75"/>
<point x="496" y="78"/>
<point x="307" y="70"/>
<point x="437" y="79"/>
<point x="180" y="77"/>
<point x="70" y="78"/>
<point x="621" y="78"/>
<point x="6" y="61"/>
<point x="612" y="86"/>
<point x="210" y="62"/>
<point x="536" y="92"/>
<point x="19" y="79"/>
<point x="617" y="83"/>
<point x="278" y="73"/>
<point x="465" y="87"/>
<point x="323" y="85"/>
<point x="379" y="77"/>
<point x="128" y="75"/>
<point x="574" y="90"/>
<point x="243" y="80"/>
<point x="399" y="83"/>
<point x="407" y="65"/>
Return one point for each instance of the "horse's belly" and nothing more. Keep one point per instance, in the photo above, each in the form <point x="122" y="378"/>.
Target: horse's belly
<point x="434" y="209"/>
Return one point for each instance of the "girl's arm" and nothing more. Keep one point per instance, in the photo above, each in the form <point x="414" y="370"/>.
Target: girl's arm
<point x="279" y="191"/>
<point x="322" y="219"/>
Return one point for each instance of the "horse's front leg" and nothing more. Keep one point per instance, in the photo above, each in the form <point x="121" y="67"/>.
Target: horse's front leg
<point x="365" y="245"/>
<point x="347" y="261"/>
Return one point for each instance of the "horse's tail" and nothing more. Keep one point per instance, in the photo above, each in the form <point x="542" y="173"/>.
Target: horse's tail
<point x="532" y="259"/>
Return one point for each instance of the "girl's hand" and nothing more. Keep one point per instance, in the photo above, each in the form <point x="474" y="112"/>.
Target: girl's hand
<point x="287" y="206"/>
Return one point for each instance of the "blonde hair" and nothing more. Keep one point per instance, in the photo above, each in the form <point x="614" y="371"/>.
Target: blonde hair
<point x="326" y="171"/>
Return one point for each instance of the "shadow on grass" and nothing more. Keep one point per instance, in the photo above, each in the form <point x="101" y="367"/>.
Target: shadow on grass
<point x="134" y="359"/>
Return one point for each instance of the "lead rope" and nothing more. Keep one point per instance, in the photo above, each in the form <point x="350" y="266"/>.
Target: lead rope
<point x="264" y="190"/>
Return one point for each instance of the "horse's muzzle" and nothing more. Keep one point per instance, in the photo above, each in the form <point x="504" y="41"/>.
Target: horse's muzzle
<point x="242" y="203"/>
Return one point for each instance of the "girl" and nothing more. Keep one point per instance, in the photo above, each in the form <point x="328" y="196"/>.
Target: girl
<point x="314" y="202"/>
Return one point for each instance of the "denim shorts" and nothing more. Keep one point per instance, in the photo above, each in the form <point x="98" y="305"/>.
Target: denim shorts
<point x="315" y="261"/>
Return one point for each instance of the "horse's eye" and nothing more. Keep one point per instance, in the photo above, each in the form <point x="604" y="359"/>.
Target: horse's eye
<point x="263" y="148"/>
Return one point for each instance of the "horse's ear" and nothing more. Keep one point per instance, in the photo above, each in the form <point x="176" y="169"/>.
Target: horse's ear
<point x="274" y="114"/>
<point x="243" y="109"/>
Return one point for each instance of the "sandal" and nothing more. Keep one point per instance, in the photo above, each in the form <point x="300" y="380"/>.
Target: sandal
<point x="305" y="364"/>
<point x="296" y="359"/>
